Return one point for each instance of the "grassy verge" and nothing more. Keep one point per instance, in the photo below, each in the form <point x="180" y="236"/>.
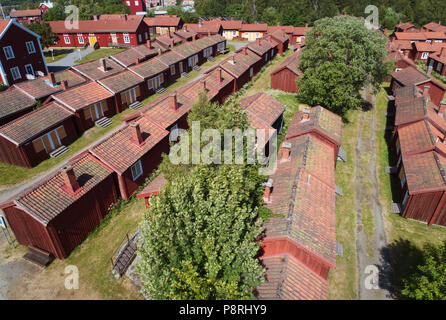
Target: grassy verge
<point x="12" y="175"/>
<point x="58" y="54"/>
<point x="405" y="237"/>
<point x="99" y="53"/>
<point x="342" y="283"/>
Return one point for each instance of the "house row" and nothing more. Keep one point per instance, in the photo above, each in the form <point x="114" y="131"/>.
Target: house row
<point x="299" y="247"/>
<point x="57" y="213"/>
<point x="89" y="92"/>
<point x="419" y="149"/>
<point x="429" y="27"/>
<point x="26" y="16"/>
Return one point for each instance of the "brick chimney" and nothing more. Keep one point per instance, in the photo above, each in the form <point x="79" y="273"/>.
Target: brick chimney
<point x="70" y="183"/>
<point x="268" y="188"/>
<point x="258" y="41"/>
<point x="443" y="52"/>
<point x="125" y="17"/>
<point x="136" y="133"/>
<point x="194" y="37"/>
<point x="103" y="65"/>
<point x="95" y="18"/>
<point x="136" y="61"/>
<point x="64" y="84"/>
<point x="149" y="44"/>
<point x="429" y="71"/>
<point x="220" y="78"/>
<point x="203" y="84"/>
<point x="172" y="43"/>
<point x="209" y="33"/>
<point x="51" y="78"/>
<point x="426" y="90"/>
<point x="173" y="101"/>
<point x="286" y="148"/>
<point x="245" y="51"/>
<point x="159" y="51"/>
<point x="305" y="115"/>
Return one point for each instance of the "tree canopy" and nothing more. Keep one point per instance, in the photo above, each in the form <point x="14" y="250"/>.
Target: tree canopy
<point x="341" y="57"/>
<point x="43" y="29"/>
<point x="200" y="234"/>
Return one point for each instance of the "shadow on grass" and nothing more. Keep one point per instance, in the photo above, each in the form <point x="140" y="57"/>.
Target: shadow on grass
<point x="404" y="259"/>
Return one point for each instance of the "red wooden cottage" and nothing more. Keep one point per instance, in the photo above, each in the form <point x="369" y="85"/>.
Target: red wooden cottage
<point x="162" y="24"/>
<point x="133" y="153"/>
<point x="26" y="16"/>
<point x="137" y="54"/>
<point x="434" y="27"/>
<point x="154" y="73"/>
<point x="127" y="87"/>
<point x="176" y="64"/>
<point x="405" y="27"/>
<point x="125" y="30"/>
<point x="13" y="104"/>
<point x="203" y="30"/>
<point x="299" y="34"/>
<point x="282" y="40"/>
<point x="192" y="55"/>
<point x="59" y="212"/>
<point x="169" y="40"/>
<point x="152" y="189"/>
<point x="422" y="50"/>
<point x="285" y="76"/>
<point x="411" y="76"/>
<point x="88" y="102"/>
<point x="437" y="61"/>
<point x="30" y="139"/>
<point x="264" y="49"/>
<point x="21" y="55"/>
<point x="98" y="69"/>
<point x="222" y="81"/>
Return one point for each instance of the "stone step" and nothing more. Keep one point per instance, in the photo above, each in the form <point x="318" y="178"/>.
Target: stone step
<point x="161" y="90"/>
<point x="103" y="122"/>
<point x="196" y="68"/>
<point x="135" y="105"/>
<point x="58" y="152"/>
<point x="185" y="75"/>
<point x="211" y="59"/>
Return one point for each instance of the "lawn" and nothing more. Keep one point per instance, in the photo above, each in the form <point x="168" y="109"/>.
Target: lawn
<point x="58" y="54"/>
<point x="12" y="175"/>
<point x="405" y="237"/>
<point x="99" y="53"/>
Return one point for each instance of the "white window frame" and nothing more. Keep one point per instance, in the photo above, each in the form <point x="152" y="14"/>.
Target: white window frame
<point x="174" y="133"/>
<point x="266" y="57"/>
<point x="80" y="38"/>
<point x="30" y="45"/>
<point x="9" y="53"/>
<point x="136" y="3"/>
<point x="172" y="67"/>
<point x="65" y="38"/>
<point x="146" y="35"/>
<point x="128" y="3"/>
<point x="424" y="55"/>
<point x="136" y="170"/>
<point x="32" y="69"/>
<point x="19" y="75"/>
<point x="126" y="37"/>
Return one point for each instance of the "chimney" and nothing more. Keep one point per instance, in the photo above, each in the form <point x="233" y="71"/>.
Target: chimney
<point x="429" y="71"/>
<point x="168" y="29"/>
<point x="305" y="115"/>
<point x="267" y="193"/>
<point x="306" y="25"/>
<point x="194" y="37"/>
<point x="209" y="33"/>
<point x="286" y="148"/>
<point x="203" y="83"/>
<point x="220" y="78"/>
<point x="52" y="78"/>
<point x="269" y="37"/>
<point x="443" y="52"/>
<point x="149" y="44"/>
<point x="136" y="133"/>
<point x="103" y="65"/>
<point x="172" y="43"/>
<point x="245" y="51"/>
<point x="185" y="28"/>
<point x="173" y="101"/>
<point x="258" y="41"/>
<point x="233" y="59"/>
<point x="64" y="84"/>
<point x="95" y="18"/>
<point x="125" y="17"/>
<point x="136" y="61"/>
<point x="426" y="90"/>
<point x="70" y="183"/>
<point x="159" y="51"/>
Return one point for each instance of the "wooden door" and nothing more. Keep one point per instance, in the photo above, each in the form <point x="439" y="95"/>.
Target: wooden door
<point x="55" y="139"/>
<point x="92" y="40"/>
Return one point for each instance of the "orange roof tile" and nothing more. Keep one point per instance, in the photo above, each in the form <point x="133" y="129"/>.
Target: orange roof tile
<point x="153" y="187"/>
<point x="93" y="69"/>
<point x="82" y="96"/>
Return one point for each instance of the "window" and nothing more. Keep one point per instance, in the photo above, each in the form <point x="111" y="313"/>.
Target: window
<point x="139" y="38"/>
<point x="136" y="3"/>
<point x="126" y="38"/>
<point x="136" y="170"/>
<point x="398" y="146"/>
<point x="266" y="57"/>
<point x="66" y="39"/>
<point x="146" y="35"/>
<point x="15" y="72"/>
<point x="251" y="72"/>
<point x="424" y="55"/>
<point x="439" y="67"/>
<point x="128" y="3"/>
<point x="402" y="177"/>
<point x="30" y="47"/>
<point x="406" y="197"/>
<point x="29" y="69"/>
<point x="80" y="38"/>
<point x="8" y="52"/>
<point x="174" y="133"/>
<point x="234" y="33"/>
<point x="257" y="35"/>
<point x="172" y="69"/>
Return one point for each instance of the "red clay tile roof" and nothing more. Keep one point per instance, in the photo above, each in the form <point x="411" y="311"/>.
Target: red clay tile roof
<point x="425" y="172"/>
<point x="34" y="123"/>
<point x="405" y="94"/>
<point x="286" y="29"/>
<point x="226" y="24"/>
<point x="93" y="69"/>
<point x="4" y="24"/>
<point x="212" y="78"/>
<point x="167" y="40"/>
<point x="150" y="68"/>
<point x="300" y="31"/>
<point x="82" y="96"/>
<point x="13" y="100"/>
<point x="100" y="26"/>
<point x="435" y="27"/>
<point x="40" y="88"/>
<point x="402" y="45"/>
<point x="169" y="58"/>
<point x="303" y="195"/>
<point x="185" y="34"/>
<point x="186" y="49"/>
<point x="261" y="49"/>
<point x="47" y="199"/>
<point x="142" y="52"/>
<point x="418" y="137"/>
<point x="162" y="112"/>
<point x="291" y="63"/>
<point x="288" y="279"/>
<point x="121" y="81"/>
<point x="280" y="35"/>
<point x="204" y="43"/>
<point x="404" y="25"/>
<point x="435" y="35"/>
<point x="217" y="38"/>
<point x="25" y="13"/>
<point x="263" y="106"/>
<point x="163" y="21"/>
<point x="410" y="76"/>
<point x="437" y="57"/>
<point x="321" y="120"/>
<point x="153" y="187"/>
<point x="410" y="36"/>
<point x="205" y="28"/>
<point x="191" y="90"/>
<point x="254" y="27"/>
<point x="418" y="109"/>
<point x="120" y="152"/>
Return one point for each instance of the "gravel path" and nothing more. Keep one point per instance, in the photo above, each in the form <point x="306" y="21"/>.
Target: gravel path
<point x="373" y="259"/>
<point x="69" y="60"/>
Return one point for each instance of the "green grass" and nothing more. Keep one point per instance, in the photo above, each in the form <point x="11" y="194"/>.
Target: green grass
<point x="57" y="53"/>
<point x="99" y="53"/>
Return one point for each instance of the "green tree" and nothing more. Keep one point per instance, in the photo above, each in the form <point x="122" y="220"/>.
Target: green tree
<point x="199" y="234"/>
<point x="43" y="29"/>
<point x="57" y="12"/>
<point x="390" y="19"/>
<point x="270" y="16"/>
<point x="341" y="57"/>
<point x="429" y="282"/>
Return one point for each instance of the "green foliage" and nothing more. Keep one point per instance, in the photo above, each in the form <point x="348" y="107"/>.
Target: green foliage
<point x="200" y="233"/>
<point x="270" y="16"/>
<point x="188" y="17"/>
<point x="43" y="29"/>
<point x="57" y="12"/>
<point x="429" y="280"/>
<point x="341" y="57"/>
<point x="391" y="18"/>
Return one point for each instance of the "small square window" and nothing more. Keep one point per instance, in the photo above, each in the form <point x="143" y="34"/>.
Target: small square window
<point x="136" y="170"/>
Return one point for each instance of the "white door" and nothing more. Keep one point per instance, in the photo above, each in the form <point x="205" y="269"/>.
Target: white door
<point x="98" y="112"/>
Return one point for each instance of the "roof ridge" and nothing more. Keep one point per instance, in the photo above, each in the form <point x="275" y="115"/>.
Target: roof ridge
<point x="431" y="136"/>
<point x="440" y="167"/>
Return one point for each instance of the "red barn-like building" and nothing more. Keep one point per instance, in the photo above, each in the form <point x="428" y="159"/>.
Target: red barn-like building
<point x="285" y="76"/>
<point x="135" y="6"/>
